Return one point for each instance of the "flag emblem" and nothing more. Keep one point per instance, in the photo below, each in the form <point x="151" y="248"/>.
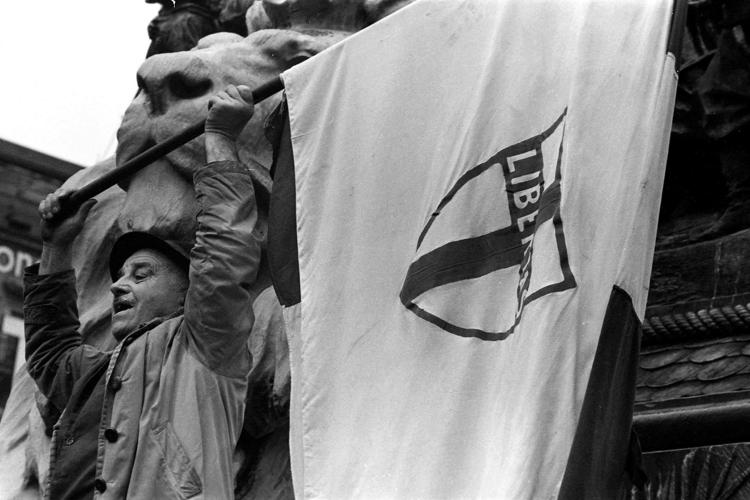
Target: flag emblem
<point x="495" y="242"/>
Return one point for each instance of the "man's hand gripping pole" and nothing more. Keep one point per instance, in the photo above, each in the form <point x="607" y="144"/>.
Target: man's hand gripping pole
<point x="70" y="204"/>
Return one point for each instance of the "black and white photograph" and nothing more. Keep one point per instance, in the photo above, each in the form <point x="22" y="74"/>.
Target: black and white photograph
<point x="375" y="249"/>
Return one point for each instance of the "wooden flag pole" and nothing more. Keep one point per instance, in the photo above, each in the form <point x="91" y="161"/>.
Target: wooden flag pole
<point x="78" y="197"/>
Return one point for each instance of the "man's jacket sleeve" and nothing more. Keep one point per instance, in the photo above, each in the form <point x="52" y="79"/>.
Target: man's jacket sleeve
<point x="55" y="353"/>
<point x="223" y="267"/>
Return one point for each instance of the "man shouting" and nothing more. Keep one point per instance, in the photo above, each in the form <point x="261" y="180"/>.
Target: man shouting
<point x="160" y="415"/>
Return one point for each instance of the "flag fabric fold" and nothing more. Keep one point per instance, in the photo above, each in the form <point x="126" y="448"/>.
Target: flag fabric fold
<point x="474" y="185"/>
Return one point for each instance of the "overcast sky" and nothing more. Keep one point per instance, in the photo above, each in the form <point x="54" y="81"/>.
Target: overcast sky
<point x="68" y="73"/>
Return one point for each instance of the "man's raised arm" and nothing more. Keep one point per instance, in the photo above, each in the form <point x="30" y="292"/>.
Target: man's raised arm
<point x="225" y="258"/>
<point x="55" y="353"/>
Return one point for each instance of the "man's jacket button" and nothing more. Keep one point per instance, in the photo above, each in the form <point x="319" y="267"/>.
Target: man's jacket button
<point x="69" y="441"/>
<point x="100" y="485"/>
<point x="111" y="435"/>
<point x="115" y="384"/>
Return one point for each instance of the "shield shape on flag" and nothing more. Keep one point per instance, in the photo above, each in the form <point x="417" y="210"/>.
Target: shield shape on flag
<point x="494" y="243"/>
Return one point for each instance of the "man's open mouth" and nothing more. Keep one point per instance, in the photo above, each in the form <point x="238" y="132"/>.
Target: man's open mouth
<point x="121" y="305"/>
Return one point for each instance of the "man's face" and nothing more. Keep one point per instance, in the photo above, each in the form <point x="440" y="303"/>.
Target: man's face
<point x="149" y="285"/>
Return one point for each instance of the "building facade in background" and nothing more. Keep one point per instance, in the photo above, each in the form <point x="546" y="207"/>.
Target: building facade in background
<point x="26" y="176"/>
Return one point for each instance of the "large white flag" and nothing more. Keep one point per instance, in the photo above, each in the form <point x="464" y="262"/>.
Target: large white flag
<point x="476" y="185"/>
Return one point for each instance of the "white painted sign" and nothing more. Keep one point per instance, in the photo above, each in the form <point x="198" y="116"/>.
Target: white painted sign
<point x="13" y="261"/>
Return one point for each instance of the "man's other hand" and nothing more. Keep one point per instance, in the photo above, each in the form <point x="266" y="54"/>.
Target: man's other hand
<point x="58" y="232"/>
<point x="229" y="111"/>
